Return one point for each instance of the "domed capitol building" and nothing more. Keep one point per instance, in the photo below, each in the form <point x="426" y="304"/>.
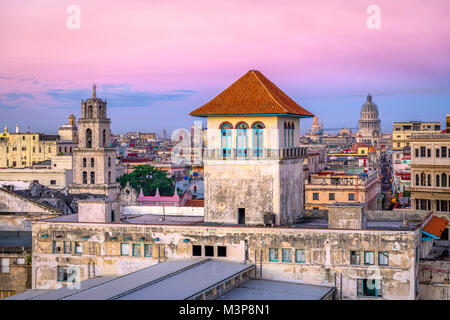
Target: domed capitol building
<point x="369" y="124"/>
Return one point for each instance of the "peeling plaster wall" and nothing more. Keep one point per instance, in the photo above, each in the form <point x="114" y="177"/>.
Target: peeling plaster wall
<point x="434" y="280"/>
<point x="264" y="186"/>
<point x="19" y="277"/>
<point x="11" y="202"/>
<point x="327" y="252"/>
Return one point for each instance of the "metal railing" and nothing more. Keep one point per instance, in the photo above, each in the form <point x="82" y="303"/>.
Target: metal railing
<point x="254" y="154"/>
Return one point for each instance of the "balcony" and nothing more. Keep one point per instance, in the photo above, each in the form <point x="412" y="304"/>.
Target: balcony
<point x="253" y="154"/>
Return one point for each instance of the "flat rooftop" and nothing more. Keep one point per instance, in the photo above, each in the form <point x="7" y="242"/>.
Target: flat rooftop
<point x="276" y="290"/>
<point x="181" y="280"/>
<point x="171" y="280"/>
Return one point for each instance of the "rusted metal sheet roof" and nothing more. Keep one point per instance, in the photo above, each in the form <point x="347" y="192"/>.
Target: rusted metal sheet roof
<point x="435" y="226"/>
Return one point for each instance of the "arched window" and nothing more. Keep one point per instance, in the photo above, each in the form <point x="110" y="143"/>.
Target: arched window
<point x="292" y="135"/>
<point x="242" y="139"/>
<point x="285" y="140"/>
<point x="225" y="133"/>
<point x="89" y="115"/>
<point x="84" y="177"/>
<point x="113" y="216"/>
<point x="422" y="179"/>
<point x="258" y="139"/>
<point x="109" y="161"/>
<point x="438" y="178"/>
<point x="429" y="180"/>
<point x="84" y="163"/>
<point x="92" y="177"/>
<point x="444" y="180"/>
<point x="92" y="162"/>
<point x="288" y="135"/>
<point x="109" y="176"/>
<point x="88" y="138"/>
<point x="417" y="180"/>
<point x="104" y="137"/>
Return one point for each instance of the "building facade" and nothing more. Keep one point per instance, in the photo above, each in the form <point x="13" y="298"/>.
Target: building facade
<point x="20" y="150"/>
<point x="328" y="187"/>
<point x="430" y="172"/>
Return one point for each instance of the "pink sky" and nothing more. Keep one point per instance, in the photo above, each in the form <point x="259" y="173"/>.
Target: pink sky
<point x="308" y="48"/>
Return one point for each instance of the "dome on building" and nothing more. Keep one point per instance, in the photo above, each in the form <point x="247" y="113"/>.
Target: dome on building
<point x="369" y="110"/>
<point x="72" y="119"/>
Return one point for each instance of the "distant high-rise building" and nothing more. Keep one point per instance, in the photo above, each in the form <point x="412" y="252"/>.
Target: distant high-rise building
<point x="164" y="134"/>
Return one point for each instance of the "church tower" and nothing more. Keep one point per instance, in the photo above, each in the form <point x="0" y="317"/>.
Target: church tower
<point x="94" y="166"/>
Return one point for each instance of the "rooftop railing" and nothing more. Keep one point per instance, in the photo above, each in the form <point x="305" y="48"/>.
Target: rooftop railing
<point x="254" y="154"/>
<point x="430" y="136"/>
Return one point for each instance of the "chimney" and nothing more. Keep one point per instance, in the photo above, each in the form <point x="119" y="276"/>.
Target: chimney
<point x="17" y="128"/>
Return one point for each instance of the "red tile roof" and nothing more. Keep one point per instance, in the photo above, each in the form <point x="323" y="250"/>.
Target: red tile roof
<point x="436" y="226"/>
<point x="253" y="93"/>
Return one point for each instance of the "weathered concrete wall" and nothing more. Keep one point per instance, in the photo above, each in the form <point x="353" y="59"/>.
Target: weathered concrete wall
<point x="263" y="186"/>
<point x="11" y="202"/>
<point x="231" y="185"/>
<point x="172" y="211"/>
<point x="434" y="280"/>
<point x="292" y="185"/>
<point x="98" y="211"/>
<point x="18" y="279"/>
<point x="21" y="221"/>
<point x="346" y="217"/>
<point x="396" y="215"/>
<point x="327" y="252"/>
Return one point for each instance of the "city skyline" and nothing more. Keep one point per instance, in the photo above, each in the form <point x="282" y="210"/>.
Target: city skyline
<point x="151" y="69"/>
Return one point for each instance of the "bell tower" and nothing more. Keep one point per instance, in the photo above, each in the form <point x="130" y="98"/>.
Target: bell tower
<point x="94" y="166"/>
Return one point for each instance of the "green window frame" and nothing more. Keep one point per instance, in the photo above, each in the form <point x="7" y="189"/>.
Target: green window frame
<point x="56" y="247"/>
<point x="65" y="273"/>
<point x="355" y="258"/>
<point x="369" y="257"/>
<point x="123" y="251"/>
<point x="148" y="250"/>
<point x="136" y="249"/>
<point x="273" y="254"/>
<point x="300" y="255"/>
<point x="286" y="255"/>
<point x="383" y="258"/>
<point x="369" y="288"/>
<point x="67" y="247"/>
<point x="78" y="247"/>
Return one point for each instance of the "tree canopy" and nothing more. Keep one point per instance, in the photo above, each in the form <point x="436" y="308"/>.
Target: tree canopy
<point x="149" y="178"/>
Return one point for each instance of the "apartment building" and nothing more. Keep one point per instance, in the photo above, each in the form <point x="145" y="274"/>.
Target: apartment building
<point x="402" y="132"/>
<point x="328" y="187"/>
<point x="430" y="173"/>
